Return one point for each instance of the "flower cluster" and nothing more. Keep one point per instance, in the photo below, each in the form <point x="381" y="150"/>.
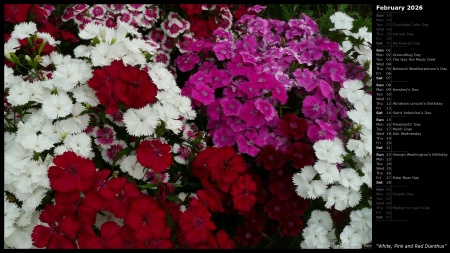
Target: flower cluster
<point x="184" y="126"/>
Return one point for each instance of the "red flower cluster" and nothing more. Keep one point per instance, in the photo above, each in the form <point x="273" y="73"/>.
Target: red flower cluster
<point x="119" y="84"/>
<point x="17" y="13"/>
<point x="227" y="169"/>
<point x="81" y="193"/>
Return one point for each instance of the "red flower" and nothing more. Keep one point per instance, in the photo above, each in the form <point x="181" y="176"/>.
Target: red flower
<point x="110" y="237"/>
<point x="199" y="166"/>
<point x="196" y="224"/>
<point x="147" y="218"/>
<point x="16" y="13"/>
<point x="101" y="184"/>
<point x="224" y="241"/>
<point x="296" y="205"/>
<point x="210" y="198"/>
<point x="86" y="207"/>
<point x="154" y="155"/>
<point x="254" y="220"/>
<point x="62" y="230"/>
<point x="162" y="242"/>
<point x="281" y="186"/>
<point x="192" y="9"/>
<point x="301" y="154"/>
<point x="247" y="236"/>
<point x="226" y="166"/>
<point x="271" y="158"/>
<point x="291" y="225"/>
<point x="135" y="88"/>
<point x="243" y="192"/>
<point x="71" y="172"/>
<point x="275" y="208"/>
<point x="125" y="192"/>
<point x="291" y="124"/>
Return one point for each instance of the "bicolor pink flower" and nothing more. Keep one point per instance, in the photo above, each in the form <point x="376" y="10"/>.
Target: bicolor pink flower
<point x="97" y="11"/>
<point x="265" y="108"/>
<point x="151" y="13"/>
<point x="104" y="136"/>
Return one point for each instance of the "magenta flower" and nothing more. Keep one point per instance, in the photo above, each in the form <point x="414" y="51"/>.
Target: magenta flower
<point x="203" y="93"/>
<point x="248" y="141"/>
<point x="251" y="114"/>
<point x="265" y="108"/>
<point x="187" y="61"/>
<point x="223" y="50"/>
<point x="215" y="110"/>
<point x="236" y="123"/>
<point x="231" y="106"/>
<point x="98" y="11"/>
<point x="224" y="136"/>
<point x="313" y="107"/>
<point x="333" y="70"/>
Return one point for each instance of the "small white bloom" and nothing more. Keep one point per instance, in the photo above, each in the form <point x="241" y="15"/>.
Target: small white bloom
<point x="331" y="151"/>
<point x="329" y="173"/>
<point x="82" y="51"/>
<point x="80" y="144"/>
<point x="11" y="46"/>
<point x="90" y="31"/>
<point x="130" y="165"/>
<point x="336" y="195"/>
<point x="350" y="238"/>
<point x="341" y="21"/>
<point x="316" y="236"/>
<point x="367" y="170"/>
<point x="19" y="94"/>
<point x="321" y="217"/>
<point x="24" y="30"/>
<point x="84" y="94"/>
<point x="141" y="122"/>
<point x="350" y="178"/>
<point x="361" y="219"/>
<point x="57" y="106"/>
<point x="77" y="122"/>
<point x="48" y="38"/>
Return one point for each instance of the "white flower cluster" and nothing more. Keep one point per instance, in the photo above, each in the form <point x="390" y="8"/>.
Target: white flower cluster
<point x="358" y="232"/>
<point x="319" y="232"/>
<point x="344" y="23"/>
<point x="112" y="44"/>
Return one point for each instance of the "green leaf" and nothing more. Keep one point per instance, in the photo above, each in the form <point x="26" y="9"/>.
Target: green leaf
<point x="174" y="198"/>
<point x="147" y="186"/>
<point x="123" y="152"/>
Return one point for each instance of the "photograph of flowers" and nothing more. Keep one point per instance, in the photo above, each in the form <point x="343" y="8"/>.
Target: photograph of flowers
<point x="187" y="126"/>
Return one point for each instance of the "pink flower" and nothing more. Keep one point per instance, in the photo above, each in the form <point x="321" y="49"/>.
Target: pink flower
<point x="313" y="107"/>
<point x="251" y="114"/>
<point x="97" y="11"/>
<point x="247" y="143"/>
<point x="231" y="106"/>
<point x="104" y="137"/>
<point x="265" y="108"/>
<point x="224" y="136"/>
<point x="203" y="93"/>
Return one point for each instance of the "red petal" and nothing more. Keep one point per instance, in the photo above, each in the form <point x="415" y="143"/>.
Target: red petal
<point x="61" y="180"/>
<point x="109" y="229"/>
<point x="41" y="236"/>
<point x="58" y="241"/>
<point x="70" y="226"/>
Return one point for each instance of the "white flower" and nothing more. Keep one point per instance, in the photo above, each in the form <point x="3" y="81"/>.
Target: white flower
<point x="24" y="30"/>
<point x="77" y="122"/>
<point x="19" y="239"/>
<point x="331" y="151"/>
<point x="48" y="38"/>
<point x="169" y="115"/>
<point x="316" y="236"/>
<point x="361" y="219"/>
<point x="52" y="131"/>
<point x="161" y="76"/>
<point x="84" y="94"/>
<point x="82" y="51"/>
<point x="329" y="173"/>
<point x="11" y="213"/>
<point x="141" y="122"/>
<point x="321" y="217"/>
<point x="36" y="143"/>
<point x="350" y="178"/>
<point x="80" y="144"/>
<point x="367" y="170"/>
<point x="57" y="106"/>
<point x="38" y="92"/>
<point x="19" y="94"/>
<point x="90" y="31"/>
<point x="353" y="198"/>
<point x="306" y="186"/>
<point x="337" y="195"/>
<point x="346" y="46"/>
<point x="11" y="46"/>
<point x="66" y="76"/>
<point x="32" y="200"/>
<point x="351" y="88"/>
<point x="341" y="21"/>
<point x="350" y="238"/>
<point x="18" y="158"/>
<point x="130" y="165"/>
<point x="102" y="54"/>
